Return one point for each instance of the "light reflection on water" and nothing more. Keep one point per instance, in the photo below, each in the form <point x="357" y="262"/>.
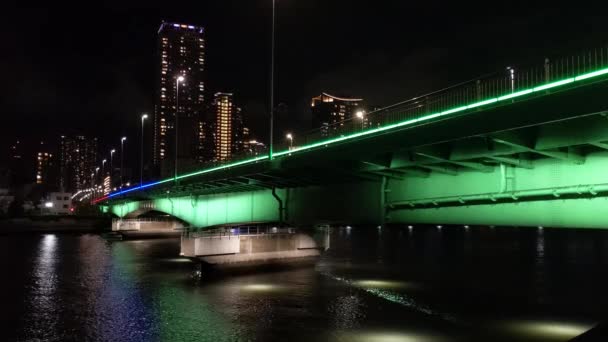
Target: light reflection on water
<point x="372" y="285"/>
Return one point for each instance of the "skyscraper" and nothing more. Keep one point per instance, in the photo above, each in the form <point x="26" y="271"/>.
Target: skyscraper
<point x="77" y="159"/>
<point x="46" y="166"/>
<point x="330" y="111"/>
<point x="225" y="122"/>
<point x="181" y="54"/>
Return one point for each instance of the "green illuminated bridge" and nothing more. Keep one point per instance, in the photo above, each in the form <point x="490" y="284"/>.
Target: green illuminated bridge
<point x="524" y="147"/>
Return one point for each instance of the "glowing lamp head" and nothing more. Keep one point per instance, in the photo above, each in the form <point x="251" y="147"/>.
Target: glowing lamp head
<point x="123" y="139"/>
<point x="360" y="114"/>
<point x="289" y="136"/>
<point x="180" y="78"/>
<point x="113" y="151"/>
<point x="145" y="116"/>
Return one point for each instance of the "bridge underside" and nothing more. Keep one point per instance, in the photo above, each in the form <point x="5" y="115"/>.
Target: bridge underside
<point x="538" y="162"/>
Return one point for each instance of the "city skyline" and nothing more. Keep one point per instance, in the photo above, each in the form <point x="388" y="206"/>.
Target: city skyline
<point x="123" y="81"/>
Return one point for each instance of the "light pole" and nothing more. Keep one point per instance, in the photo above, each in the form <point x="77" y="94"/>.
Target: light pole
<point x="270" y="145"/>
<point x="122" y="153"/>
<point x="103" y="169"/>
<point x="141" y="152"/>
<point x="360" y="114"/>
<point x="96" y="173"/>
<point x="289" y="137"/>
<point x="178" y="80"/>
<point x="111" y="164"/>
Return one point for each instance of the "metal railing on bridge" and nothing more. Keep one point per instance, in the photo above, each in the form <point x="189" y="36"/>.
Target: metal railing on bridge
<point x="226" y="232"/>
<point x="508" y="84"/>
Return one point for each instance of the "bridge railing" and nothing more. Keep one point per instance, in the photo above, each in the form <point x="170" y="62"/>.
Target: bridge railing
<point x="470" y="94"/>
<point x="237" y="231"/>
<point x="511" y="80"/>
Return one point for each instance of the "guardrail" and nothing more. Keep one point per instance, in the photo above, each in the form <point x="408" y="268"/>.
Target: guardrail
<point x="512" y="82"/>
<point x="145" y="219"/>
<point x="500" y="87"/>
<point x="238" y="231"/>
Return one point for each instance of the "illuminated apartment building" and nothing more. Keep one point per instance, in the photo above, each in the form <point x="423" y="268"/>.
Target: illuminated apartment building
<point x="223" y="107"/>
<point x="329" y="112"/>
<point x="181" y="54"/>
<point x="77" y="160"/>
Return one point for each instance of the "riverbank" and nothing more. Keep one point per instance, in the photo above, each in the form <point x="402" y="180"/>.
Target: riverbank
<point x="54" y="224"/>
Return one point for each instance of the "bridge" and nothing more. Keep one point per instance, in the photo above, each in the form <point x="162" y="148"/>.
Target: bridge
<point x="523" y="147"/>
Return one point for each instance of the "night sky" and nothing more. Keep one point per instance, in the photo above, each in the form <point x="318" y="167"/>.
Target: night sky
<point x="91" y="70"/>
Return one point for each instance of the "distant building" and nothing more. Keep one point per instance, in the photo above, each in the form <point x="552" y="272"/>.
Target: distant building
<point x="223" y="107"/>
<point x="225" y="127"/>
<point x="77" y="160"/>
<point x="181" y="53"/>
<point x="46" y="167"/>
<point x="17" y="168"/>
<point x="329" y="111"/>
<point x="57" y="203"/>
<point x="255" y="148"/>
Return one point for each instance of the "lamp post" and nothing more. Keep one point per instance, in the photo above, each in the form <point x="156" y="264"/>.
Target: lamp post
<point x="103" y="169"/>
<point x="289" y="137"/>
<point x="270" y="145"/>
<point x="111" y="164"/>
<point x="122" y="153"/>
<point x="360" y="114"/>
<point x="141" y="152"/>
<point x="178" y="80"/>
<point x="96" y="174"/>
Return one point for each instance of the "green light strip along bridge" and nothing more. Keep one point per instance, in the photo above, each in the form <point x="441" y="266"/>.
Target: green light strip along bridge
<point x="527" y="147"/>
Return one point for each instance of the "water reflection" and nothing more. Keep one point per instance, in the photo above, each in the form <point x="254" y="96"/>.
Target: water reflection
<point x="387" y="336"/>
<point x="370" y="286"/>
<point x="543" y="330"/>
<point x="42" y="303"/>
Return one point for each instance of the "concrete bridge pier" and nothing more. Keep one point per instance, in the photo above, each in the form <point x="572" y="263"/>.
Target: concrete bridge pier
<point x="254" y="246"/>
<point x="148" y="227"/>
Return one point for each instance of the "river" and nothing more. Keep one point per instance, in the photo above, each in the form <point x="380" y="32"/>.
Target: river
<point x="451" y="283"/>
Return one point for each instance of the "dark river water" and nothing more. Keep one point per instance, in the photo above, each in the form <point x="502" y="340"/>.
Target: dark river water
<point x="390" y="284"/>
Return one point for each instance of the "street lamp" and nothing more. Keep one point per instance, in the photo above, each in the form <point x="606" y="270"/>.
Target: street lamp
<point x="289" y="137"/>
<point x="178" y="80"/>
<point x="103" y="168"/>
<point x="270" y="145"/>
<point x="122" y="153"/>
<point x="96" y="173"/>
<point x="360" y="114"/>
<point x="112" y="162"/>
<point x="141" y="156"/>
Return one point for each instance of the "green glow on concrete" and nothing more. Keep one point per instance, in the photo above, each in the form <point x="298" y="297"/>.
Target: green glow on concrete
<point x="209" y="210"/>
<point x="395" y="125"/>
<point x="548" y="176"/>
<point x="123" y="209"/>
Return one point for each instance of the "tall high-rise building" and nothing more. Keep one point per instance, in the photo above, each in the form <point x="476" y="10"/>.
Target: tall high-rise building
<point x="225" y="127"/>
<point x="181" y="56"/>
<point x="46" y="166"/>
<point x="77" y="160"/>
<point x="330" y="111"/>
<point x="225" y="110"/>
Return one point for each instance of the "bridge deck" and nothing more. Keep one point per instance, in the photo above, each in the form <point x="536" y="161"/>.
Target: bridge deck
<point x="559" y="119"/>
